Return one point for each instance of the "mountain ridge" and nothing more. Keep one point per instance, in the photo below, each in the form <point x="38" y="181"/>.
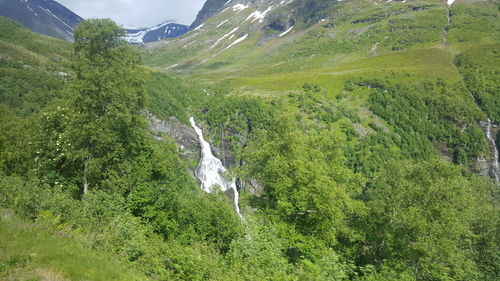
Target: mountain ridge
<point x="49" y="17"/>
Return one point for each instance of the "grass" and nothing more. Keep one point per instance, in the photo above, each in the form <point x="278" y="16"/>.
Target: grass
<point x="36" y="251"/>
<point x="422" y="63"/>
<point x="360" y="39"/>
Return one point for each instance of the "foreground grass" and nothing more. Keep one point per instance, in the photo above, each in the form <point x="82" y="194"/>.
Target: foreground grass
<point x="30" y="251"/>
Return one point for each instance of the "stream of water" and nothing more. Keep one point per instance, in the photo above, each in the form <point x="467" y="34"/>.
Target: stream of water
<point x="210" y="170"/>
<point x="495" y="165"/>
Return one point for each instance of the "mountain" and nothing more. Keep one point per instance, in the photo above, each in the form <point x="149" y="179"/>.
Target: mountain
<point x="210" y="8"/>
<point x="360" y="134"/>
<point x="43" y="16"/>
<point x="269" y="48"/>
<point x="48" y="17"/>
<point x="155" y="33"/>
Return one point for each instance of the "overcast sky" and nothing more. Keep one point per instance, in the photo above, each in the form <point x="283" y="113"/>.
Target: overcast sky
<point x="140" y="13"/>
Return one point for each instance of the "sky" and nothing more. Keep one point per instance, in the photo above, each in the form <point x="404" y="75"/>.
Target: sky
<point x="139" y="13"/>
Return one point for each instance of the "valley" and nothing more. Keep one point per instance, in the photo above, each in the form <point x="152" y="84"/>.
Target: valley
<point x="270" y="140"/>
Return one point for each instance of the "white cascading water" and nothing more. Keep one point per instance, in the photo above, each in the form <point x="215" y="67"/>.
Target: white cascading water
<point x="210" y="170"/>
<point x="495" y="164"/>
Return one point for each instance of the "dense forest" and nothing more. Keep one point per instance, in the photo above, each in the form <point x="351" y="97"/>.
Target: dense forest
<point x="374" y="180"/>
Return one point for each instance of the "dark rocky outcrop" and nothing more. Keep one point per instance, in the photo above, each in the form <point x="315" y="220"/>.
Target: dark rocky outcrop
<point x="182" y="134"/>
<point x="210" y="8"/>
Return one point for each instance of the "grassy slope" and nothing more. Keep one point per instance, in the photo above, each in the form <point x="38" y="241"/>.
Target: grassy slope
<point x="38" y="252"/>
<point x="410" y="42"/>
<point x="20" y="43"/>
<point x="32" y="68"/>
<point x="360" y="38"/>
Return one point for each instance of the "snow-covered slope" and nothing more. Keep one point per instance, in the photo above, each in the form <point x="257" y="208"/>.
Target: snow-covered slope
<point x="155" y="33"/>
<point x="42" y="16"/>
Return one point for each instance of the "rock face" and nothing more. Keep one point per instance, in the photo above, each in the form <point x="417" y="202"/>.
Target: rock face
<point x="181" y="133"/>
<point x="482" y="166"/>
<point x="189" y="143"/>
<point x="490" y="167"/>
<point x="46" y="17"/>
<point x="210" y="8"/>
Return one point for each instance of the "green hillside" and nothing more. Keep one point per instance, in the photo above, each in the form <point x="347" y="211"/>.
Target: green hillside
<point x="336" y="43"/>
<point x="356" y="131"/>
<point x="41" y="252"/>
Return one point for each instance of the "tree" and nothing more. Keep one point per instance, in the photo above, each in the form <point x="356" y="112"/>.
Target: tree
<point x="105" y="130"/>
<point x="306" y="182"/>
<point x="427" y="218"/>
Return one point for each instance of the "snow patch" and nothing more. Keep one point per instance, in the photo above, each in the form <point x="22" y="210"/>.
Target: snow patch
<point x="450" y="2"/>
<point x="220" y="24"/>
<point x="286" y="32"/>
<point x="239" y="7"/>
<point x="257" y="15"/>
<point x="172" y="66"/>
<point x="223" y="37"/>
<point x="239" y="40"/>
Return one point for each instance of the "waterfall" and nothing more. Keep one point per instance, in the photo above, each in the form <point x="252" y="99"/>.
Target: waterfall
<point x="210" y="170"/>
<point x="495" y="165"/>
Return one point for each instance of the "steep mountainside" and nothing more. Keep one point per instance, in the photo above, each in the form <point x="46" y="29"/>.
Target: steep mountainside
<point x="210" y="8"/>
<point x="43" y="16"/>
<point x="33" y="68"/>
<point x="269" y="48"/>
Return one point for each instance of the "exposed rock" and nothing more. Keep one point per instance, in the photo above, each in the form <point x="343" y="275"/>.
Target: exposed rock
<point x="181" y="133"/>
<point x="361" y="130"/>
<point x="251" y="186"/>
<point x="486" y="167"/>
<point x="482" y="166"/>
<point x="210" y="8"/>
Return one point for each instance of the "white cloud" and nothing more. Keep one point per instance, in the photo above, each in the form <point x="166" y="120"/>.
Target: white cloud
<point x="135" y="12"/>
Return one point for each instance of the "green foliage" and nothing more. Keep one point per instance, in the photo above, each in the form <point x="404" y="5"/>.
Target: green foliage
<point x="106" y="132"/>
<point x="40" y="252"/>
<point x="325" y="189"/>
<point x="422" y="218"/>
<point x="232" y="119"/>
<point x="259" y="253"/>
<point x="306" y="182"/>
<point x="384" y="274"/>
<point x="27" y="89"/>
<point x="167" y="97"/>
<point x="426" y="112"/>
<point x="51" y="49"/>
<point x="479" y="67"/>
<point x="187" y="216"/>
<point x="15" y="143"/>
<point x="474" y="23"/>
<point x="33" y="68"/>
